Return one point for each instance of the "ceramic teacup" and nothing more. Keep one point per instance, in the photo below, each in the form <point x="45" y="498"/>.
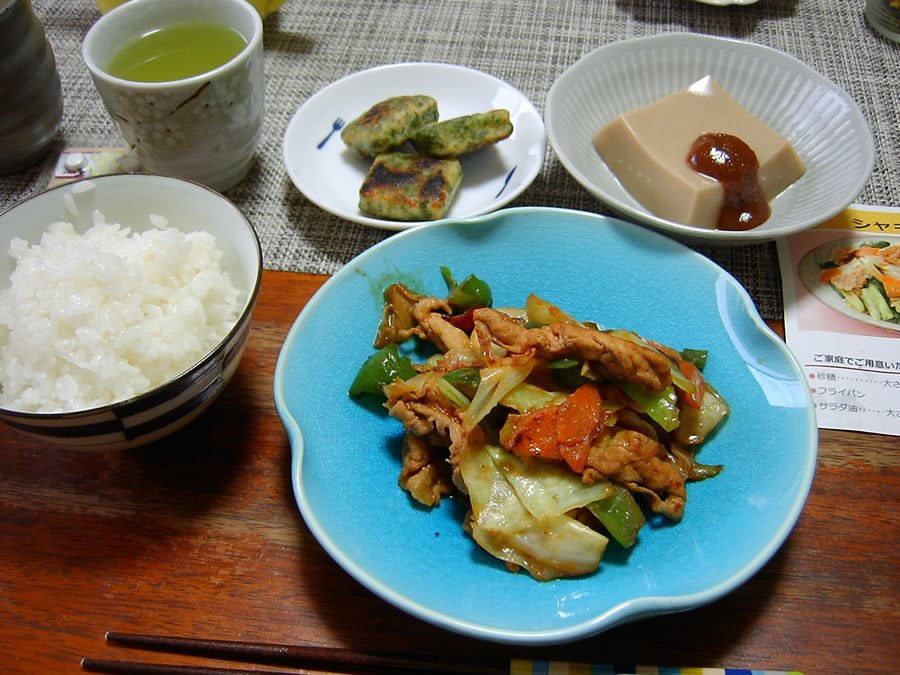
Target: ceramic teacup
<point x="205" y="127"/>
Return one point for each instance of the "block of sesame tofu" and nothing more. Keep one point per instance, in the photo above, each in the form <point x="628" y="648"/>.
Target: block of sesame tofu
<point x="389" y="124"/>
<point x="647" y="150"/>
<point x="460" y="135"/>
<point x="401" y="186"/>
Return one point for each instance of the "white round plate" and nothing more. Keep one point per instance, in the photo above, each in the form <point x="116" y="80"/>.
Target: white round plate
<point x="810" y="266"/>
<point x="824" y="125"/>
<point x="329" y="174"/>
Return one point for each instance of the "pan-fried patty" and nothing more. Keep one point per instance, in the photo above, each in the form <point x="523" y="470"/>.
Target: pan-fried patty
<point x="388" y="124"/>
<point x="401" y="186"/>
<point x="460" y="135"/>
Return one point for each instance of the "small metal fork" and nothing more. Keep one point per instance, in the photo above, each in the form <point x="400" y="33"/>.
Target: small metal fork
<point x="337" y="125"/>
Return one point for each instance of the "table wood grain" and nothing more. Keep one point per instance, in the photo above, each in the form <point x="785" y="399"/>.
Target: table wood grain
<point x="199" y="535"/>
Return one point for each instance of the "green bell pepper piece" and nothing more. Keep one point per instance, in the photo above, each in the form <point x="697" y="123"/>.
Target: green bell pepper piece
<point x="383" y="367"/>
<point x="620" y="514"/>
<point x="563" y="363"/>
<point x="472" y="292"/>
<point x="696" y="357"/>
<point x="567" y="372"/>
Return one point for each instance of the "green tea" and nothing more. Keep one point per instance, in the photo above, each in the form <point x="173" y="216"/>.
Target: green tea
<point x="176" y="52"/>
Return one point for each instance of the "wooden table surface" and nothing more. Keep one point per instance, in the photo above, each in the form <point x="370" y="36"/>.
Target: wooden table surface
<point x="200" y="535"/>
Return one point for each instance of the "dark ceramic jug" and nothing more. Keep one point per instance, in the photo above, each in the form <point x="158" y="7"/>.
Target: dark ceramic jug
<point x="30" y="90"/>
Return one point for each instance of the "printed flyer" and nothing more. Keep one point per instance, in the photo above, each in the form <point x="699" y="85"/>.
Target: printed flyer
<point x="841" y="283"/>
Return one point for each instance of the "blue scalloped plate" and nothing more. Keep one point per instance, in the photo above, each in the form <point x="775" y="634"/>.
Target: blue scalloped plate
<point x="346" y="457"/>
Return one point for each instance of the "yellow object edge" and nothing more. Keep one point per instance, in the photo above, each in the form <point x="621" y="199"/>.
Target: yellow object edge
<point x="264" y="7"/>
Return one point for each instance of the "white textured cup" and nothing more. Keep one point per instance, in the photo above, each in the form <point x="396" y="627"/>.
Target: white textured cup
<point x="205" y="128"/>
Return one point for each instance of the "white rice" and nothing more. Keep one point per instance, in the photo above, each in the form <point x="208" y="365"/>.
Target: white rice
<point x="100" y="317"/>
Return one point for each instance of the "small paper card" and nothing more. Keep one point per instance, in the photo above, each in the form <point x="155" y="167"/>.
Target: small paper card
<point x="841" y="283"/>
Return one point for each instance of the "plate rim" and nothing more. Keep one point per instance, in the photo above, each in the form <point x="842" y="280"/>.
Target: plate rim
<point x="689" y="232"/>
<point x="533" y="170"/>
<point x="624" y="612"/>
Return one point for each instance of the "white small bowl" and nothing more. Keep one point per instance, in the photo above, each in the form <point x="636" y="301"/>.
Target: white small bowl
<point x="824" y="125"/>
<point x="129" y="199"/>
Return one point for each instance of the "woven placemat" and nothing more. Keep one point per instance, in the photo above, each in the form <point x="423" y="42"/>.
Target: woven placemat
<point x="529" y="44"/>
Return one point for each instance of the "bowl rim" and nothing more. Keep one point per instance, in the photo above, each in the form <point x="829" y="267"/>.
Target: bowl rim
<point x="240" y="321"/>
<point x="643" y="217"/>
<point x="147" y="16"/>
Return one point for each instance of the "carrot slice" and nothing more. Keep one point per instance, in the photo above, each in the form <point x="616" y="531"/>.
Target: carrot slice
<point x="535" y="434"/>
<point x="691" y="372"/>
<point x="891" y="286"/>
<point x="562" y="432"/>
<point x="581" y="419"/>
<point x="828" y="274"/>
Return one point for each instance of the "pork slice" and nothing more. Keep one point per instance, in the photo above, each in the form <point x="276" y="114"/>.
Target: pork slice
<point x="642" y="465"/>
<point x="424" y="413"/>
<point x="623" y="359"/>
<point x="891" y="255"/>
<point x="429" y="313"/>
<point x="425" y="474"/>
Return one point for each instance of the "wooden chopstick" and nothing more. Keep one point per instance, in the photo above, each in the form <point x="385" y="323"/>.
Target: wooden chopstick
<point x="135" y="668"/>
<point x="309" y="657"/>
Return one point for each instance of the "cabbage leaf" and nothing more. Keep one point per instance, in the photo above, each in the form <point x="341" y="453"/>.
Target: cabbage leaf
<point x="548" y="548"/>
<point x="545" y="488"/>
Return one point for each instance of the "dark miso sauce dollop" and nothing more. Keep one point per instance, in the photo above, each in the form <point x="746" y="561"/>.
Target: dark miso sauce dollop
<point x="733" y="163"/>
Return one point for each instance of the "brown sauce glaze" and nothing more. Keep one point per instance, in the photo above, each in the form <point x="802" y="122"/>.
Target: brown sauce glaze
<point x="733" y="163"/>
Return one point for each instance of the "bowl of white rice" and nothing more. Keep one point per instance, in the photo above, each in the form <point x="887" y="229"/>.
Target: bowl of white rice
<point x="125" y="307"/>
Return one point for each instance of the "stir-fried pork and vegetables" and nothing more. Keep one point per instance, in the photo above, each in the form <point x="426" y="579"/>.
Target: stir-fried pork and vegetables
<point x="867" y="277"/>
<point x="553" y="429"/>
